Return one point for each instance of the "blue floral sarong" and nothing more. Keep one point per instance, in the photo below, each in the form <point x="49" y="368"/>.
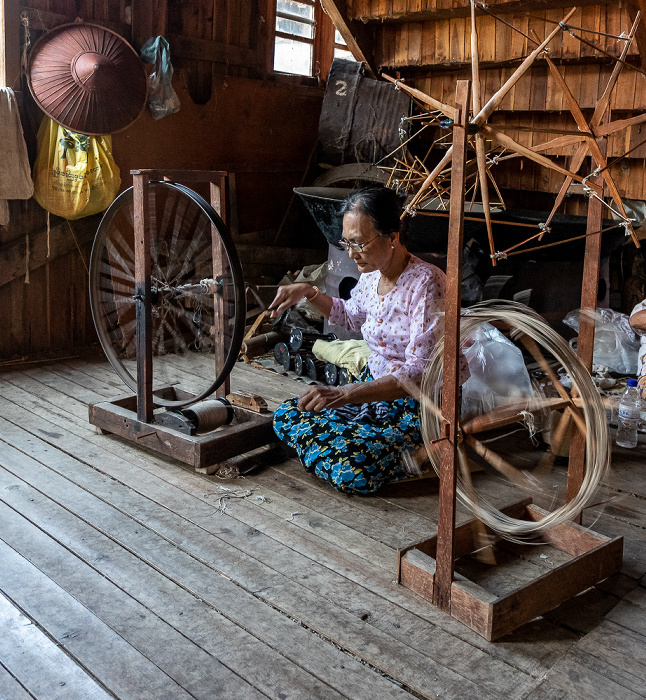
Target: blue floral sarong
<point x="358" y="447"/>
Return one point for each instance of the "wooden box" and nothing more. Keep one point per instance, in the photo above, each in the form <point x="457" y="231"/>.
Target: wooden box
<point x="248" y="431"/>
<point x="527" y="580"/>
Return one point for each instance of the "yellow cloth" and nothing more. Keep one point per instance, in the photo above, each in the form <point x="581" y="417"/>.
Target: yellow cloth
<point x="351" y="354"/>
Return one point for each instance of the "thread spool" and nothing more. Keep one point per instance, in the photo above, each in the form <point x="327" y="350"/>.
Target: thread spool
<point x="314" y="368"/>
<point x="299" y="364"/>
<point x="209" y="414"/>
<point x="331" y="374"/>
<point x="343" y="376"/>
<point x="283" y="356"/>
<point x="304" y="340"/>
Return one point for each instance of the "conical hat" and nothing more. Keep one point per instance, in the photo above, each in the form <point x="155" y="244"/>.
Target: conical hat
<point x="87" y="78"/>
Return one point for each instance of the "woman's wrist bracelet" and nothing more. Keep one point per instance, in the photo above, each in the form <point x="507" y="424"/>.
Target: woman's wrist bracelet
<point x="317" y="291"/>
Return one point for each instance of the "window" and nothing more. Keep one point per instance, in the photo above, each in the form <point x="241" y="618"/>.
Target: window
<point x="341" y="48"/>
<point x="306" y="41"/>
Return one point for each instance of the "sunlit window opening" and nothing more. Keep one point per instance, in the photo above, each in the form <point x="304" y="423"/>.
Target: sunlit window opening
<point x="295" y="27"/>
<point x="341" y="48"/>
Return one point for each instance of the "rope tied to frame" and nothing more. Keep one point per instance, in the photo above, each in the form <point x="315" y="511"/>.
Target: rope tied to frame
<point x="498" y="255"/>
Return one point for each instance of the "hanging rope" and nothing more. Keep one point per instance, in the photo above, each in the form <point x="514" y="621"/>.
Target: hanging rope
<point x="522" y="320"/>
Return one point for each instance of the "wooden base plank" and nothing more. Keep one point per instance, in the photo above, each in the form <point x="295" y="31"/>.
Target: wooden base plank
<point x="594" y="558"/>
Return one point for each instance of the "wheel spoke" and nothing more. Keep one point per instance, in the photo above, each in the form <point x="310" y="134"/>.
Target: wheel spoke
<point x="516" y="476"/>
<point x="482" y="539"/>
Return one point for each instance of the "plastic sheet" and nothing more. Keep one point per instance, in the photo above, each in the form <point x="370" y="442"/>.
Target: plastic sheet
<point x="615" y="344"/>
<point x="498" y="372"/>
<point x="162" y="98"/>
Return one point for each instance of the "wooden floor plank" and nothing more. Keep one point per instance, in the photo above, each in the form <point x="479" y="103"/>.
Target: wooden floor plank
<point x="393" y="657"/>
<point x="608" y="663"/>
<point x="197" y="576"/>
<point x="37" y="664"/>
<point x="11" y="689"/>
<point x="519" y="652"/>
<point x="119" y="667"/>
<point x="180" y="658"/>
<point x="227" y="644"/>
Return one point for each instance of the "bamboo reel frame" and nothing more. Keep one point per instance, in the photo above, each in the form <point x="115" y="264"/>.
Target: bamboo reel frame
<point x="586" y="412"/>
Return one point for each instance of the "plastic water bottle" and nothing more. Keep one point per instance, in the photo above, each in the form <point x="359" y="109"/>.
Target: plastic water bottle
<point x="628" y="419"/>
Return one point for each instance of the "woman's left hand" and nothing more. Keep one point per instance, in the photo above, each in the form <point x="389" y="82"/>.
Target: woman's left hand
<point x="320" y="397"/>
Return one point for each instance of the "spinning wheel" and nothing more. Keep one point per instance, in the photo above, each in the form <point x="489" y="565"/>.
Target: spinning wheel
<point x="168" y="301"/>
<point x="530" y="412"/>
<point x="429" y="567"/>
<point x="198" y="306"/>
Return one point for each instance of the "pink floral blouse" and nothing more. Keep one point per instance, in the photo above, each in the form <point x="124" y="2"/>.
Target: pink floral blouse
<point x="402" y="327"/>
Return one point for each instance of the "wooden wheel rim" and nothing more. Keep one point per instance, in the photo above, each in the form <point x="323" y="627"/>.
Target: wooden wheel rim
<point x="120" y="263"/>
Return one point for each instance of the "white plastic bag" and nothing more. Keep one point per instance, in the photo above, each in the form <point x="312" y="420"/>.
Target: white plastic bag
<point x="615" y="344"/>
<point x="498" y="372"/>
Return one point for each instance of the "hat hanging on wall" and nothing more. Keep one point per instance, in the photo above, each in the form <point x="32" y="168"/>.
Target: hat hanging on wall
<point x="87" y="78"/>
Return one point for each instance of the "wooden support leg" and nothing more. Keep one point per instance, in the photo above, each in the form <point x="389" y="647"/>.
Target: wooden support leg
<point x="585" y="345"/>
<point x="450" y="392"/>
<point x="141" y="183"/>
<point x="220" y="268"/>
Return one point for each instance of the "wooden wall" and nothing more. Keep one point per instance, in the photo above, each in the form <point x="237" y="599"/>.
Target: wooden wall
<point x="235" y="115"/>
<point x="427" y="42"/>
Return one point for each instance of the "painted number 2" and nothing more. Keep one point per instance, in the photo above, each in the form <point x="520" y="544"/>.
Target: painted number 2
<point x="341" y="88"/>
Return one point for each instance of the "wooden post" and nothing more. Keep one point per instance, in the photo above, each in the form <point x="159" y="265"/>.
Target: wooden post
<point x="220" y="268"/>
<point x="141" y="182"/>
<point x="450" y="391"/>
<point x="585" y="344"/>
<point x="10" y="28"/>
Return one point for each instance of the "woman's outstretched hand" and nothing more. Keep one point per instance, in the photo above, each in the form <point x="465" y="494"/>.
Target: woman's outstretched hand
<point x="289" y="295"/>
<point x="319" y="397"/>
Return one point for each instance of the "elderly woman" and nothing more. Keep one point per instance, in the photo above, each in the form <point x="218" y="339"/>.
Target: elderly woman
<point x="354" y="435"/>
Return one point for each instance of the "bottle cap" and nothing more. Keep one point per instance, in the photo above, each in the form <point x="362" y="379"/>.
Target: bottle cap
<point x="631" y="381"/>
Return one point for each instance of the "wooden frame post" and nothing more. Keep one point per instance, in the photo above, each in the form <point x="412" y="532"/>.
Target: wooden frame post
<point x="10" y="29"/>
<point x="218" y="202"/>
<point x="141" y="191"/>
<point x="585" y="344"/>
<point x="450" y="389"/>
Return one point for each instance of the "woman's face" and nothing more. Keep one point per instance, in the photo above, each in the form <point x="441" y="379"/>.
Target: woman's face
<point x="377" y="253"/>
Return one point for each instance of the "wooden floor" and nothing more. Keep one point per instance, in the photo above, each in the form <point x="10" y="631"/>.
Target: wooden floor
<point x="124" y="575"/>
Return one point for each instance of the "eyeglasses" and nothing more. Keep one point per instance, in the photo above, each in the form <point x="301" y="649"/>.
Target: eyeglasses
<point x="356" y="247"/>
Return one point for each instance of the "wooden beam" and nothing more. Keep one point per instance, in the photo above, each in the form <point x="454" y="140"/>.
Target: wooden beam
<point x="207" y="50"/>
<point x="635" y="6"/>
<point x="450" y="393"/>
<point x="10" y="44"/>
<point x="512" y="6"/>
<point x="354" y="33"/>
<point x="61" y="242"/>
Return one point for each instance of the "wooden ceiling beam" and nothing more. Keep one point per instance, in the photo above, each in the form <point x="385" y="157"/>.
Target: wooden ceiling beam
<point x="502" y="7"/>
<point x="356" y="35"/>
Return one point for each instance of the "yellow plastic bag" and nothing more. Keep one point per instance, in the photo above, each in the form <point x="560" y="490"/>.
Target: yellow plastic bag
<point x="74" y="175"/>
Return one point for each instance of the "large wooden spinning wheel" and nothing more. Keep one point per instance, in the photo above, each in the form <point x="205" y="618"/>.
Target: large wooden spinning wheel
<point x="540" y="396"/>
<point x="490" y="145"/>
<point x="197" y="291"/>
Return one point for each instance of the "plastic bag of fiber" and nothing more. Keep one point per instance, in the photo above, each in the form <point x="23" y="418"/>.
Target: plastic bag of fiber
<point x="497" y="369"/>
<point x="615" y="344"/>
<point x="162" y="98"/>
